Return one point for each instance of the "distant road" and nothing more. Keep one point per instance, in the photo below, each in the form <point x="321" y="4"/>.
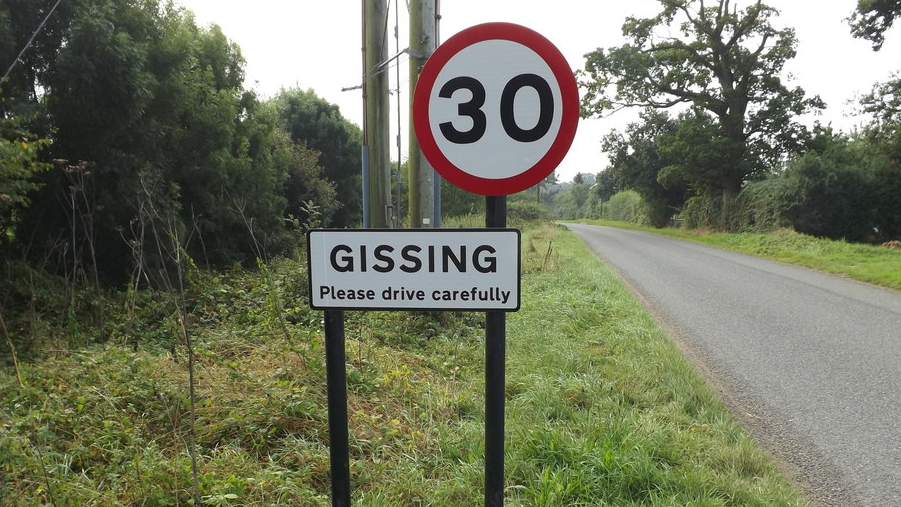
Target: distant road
<point x="810" y="362"/>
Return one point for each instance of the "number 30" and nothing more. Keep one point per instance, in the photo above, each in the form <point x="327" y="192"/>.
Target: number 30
<point x="473" y="109"/>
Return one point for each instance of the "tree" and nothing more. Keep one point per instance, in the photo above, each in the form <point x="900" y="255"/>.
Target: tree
<point x="883" y="138"/>
<point x="319" y="125"/>
<point x="836" y="190"/>
<point x="549" y="180"/>
<point x="571" y="203"/>
<point x="19" y="162"/>
<point x="306" y="185"/>
<point x="870" y="21"/>
<point x="723" y="62"/>
<point x="155" y="106"/>
<point x="638" y="162"/>
<point x="872" y="18"/>
<point x="884" y="103"/>
<point x="607" y="185"/>
<point x="457" y="202"/>
<point x="18" y="20"/>
<point x="145" y="109"/>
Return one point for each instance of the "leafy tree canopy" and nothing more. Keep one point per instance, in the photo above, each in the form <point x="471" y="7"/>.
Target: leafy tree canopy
<point x="842" y="188"/>
<point x="720" y="61"/>
<point x="639" y="161"/>
<point x="549" y="182"/>
<point x="607" y="185"/>
<point x="153" y="134"/>
<point x="313" y="121"/>
<point x="872" y="18"/>
<point x="884" y="103"/>
<point x="19" y="162"/>
<point x="571" y="203"/>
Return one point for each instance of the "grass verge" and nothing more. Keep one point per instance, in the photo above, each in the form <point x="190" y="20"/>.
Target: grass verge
<point x="867" y="263"/>
<point x="601" y="408"/>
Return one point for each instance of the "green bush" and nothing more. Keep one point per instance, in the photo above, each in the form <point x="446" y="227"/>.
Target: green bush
<point x="571" y="204"/>
<point x="19" y="162"/>
<point x="843" y="188"/>
<point x="886" y="194"/>
<point x="760" y="207"/>
<point x="699" y="212"/>
<point x="825" y="198"/>
<point x="836" y="196"/>
<point x="627" y="206"/>
<point x="527" y="210"/>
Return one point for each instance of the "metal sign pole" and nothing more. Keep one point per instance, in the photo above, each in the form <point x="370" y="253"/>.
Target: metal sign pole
<point x="495" y="350"/>
<point x="336" y="381"/>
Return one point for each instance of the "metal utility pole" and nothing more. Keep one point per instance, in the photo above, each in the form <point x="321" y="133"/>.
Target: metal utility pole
<point x="376" y="125"/>
<point x="400" y="170"/>
<point x="423" y="41"/>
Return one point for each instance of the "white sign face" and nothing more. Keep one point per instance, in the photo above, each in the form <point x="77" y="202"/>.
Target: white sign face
<point x="411" y="269"/>
<point x="487" y="84"/>
<point x="495" y="108"/>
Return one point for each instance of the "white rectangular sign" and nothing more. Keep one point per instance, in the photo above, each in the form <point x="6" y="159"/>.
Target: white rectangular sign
<point x="414" y="269"/>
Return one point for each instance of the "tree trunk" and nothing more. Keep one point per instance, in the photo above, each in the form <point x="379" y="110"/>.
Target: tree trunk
<point x="734" y="175"/>
<point x="731" y="189"/>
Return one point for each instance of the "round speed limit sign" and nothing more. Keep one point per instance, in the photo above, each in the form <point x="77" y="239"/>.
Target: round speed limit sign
<point x="496" y="108"/>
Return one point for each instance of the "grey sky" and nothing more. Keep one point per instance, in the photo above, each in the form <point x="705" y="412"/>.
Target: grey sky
<point x="316" y="44"/>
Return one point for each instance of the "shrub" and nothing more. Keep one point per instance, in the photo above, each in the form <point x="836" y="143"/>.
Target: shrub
<point x="760" y="207"/>
<point x="527" y="210"/>
<point x="829" y="197"/>
<point x="843" y="188"/>
<point x="699" y="212"/>
<point x="886" y="195"/>
<point x="627" y="206"/>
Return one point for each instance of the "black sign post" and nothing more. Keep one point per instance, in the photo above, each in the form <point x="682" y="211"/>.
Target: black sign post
<point x="336" y="382"/>
<point x="474" y="114"/>
<point x="415" y="269"/>
<point x="495" y="354"/>
<point x="495" y="357"/>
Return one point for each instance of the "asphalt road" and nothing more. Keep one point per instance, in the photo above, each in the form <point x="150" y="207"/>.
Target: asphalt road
<point x="810" y="362"/>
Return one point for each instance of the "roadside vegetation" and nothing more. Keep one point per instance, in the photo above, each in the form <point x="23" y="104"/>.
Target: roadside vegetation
<point x="719" y="144"/>
<point x="875" y="264"/>
<point x="158" y="348"/>
<point x="601" y="408"/>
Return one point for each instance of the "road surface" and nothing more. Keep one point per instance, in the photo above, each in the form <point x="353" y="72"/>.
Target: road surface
<point x="810" y="362"/>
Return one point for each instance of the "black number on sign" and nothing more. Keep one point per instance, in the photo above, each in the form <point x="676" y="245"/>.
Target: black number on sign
<point x="472" y="109"/>
<point x="545" y="108"/>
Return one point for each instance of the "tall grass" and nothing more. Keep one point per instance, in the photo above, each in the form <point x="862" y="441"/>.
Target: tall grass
<point x="867" y="263"/>
<point x="602" y="410"/>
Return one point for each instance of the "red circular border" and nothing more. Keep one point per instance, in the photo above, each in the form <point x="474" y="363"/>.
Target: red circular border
<point x="569" y="118"/>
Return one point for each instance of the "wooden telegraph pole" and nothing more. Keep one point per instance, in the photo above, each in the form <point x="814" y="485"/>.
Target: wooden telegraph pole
<point x="376" y="125"/>
<point x="423" y="41"/>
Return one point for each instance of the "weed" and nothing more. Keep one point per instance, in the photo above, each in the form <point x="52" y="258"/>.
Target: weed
<point x="602" y="410"/>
